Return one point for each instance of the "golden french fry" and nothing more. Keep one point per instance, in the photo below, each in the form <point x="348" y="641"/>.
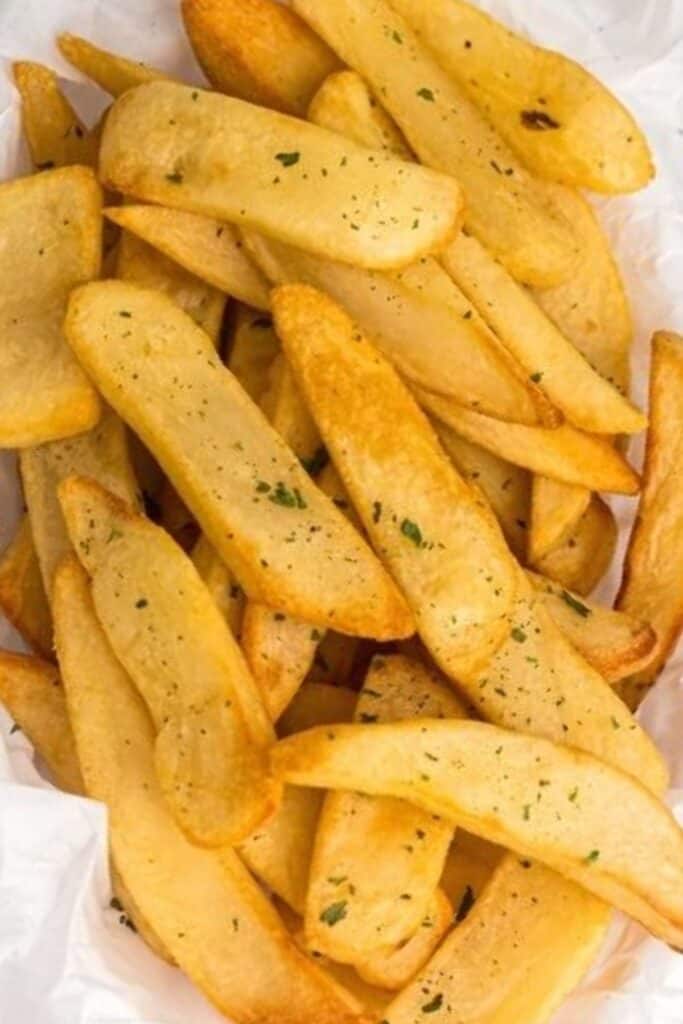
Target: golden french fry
<point x="505" y="206"/>
<point x="344" y="104"/>
<point x="563" y="453"/>
<point x="359" y="211"/>
<point x="588" y="400"/>
<point x="360" y="906"/>
<point x="258" y="50"/>
<point x="244" y="485"/>
<point x="212" y="728"/>
<point x="556" y="508"/>
<point x="581" y="560"/>
<point x="652" y="571"/>
<point x="100" y="454"/>
<point x="335" y="659"/>
<point x="56" y="136"/>
<point x="614" y="642"/>
<point x="51" y="243"/>
<point x="562" y="121"/>
<point x="220" y="582"/>
<point x="279" y="651"/>
<point x="206" y="248"/>
<point x="22" y="595"/>
<point x="317" y="704"/>
<point x="421" y="517"/>
<point x="592" y="823"/>
<point x="241" y="958"/>
<point x="113" y="73"/>
<point x="254" y="347"/>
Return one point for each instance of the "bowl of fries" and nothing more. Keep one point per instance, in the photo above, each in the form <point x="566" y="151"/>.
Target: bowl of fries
<point x="318" y="377"/>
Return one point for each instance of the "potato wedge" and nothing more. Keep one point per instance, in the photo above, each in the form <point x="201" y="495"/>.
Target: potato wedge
<point x="55" y="134"/>
<point x="505" y="206"/>
<point x="556" y="509"/>
<point x="359" y="906"/>
<point x="101" y="454"/>
<point x="259" y="51"/>
<point x="564" y="124"/>
<point x="206" y="248"/>
<point x="463" y="359"/>
<point x="246" y="488"/>
<point x="344" y="104"/>
<point x="113" y="73"/>
<point x="357" y="210"/>
<point x="51" y="243"/>
<point x="583" y="557"/>
<point x="588" y="400"/>
<point x="241" y="959"/>
<point x="614" y="642"/>
<point x="612" y="836"/>
<point x="563" y="453"/>
<point x="446" y="552"/>
<point x="652" y="571"/>
<point x="221" y="584"/>
<point x="254" y="346"/>
<point x="168" y="633"/>
<point x="22" y="595"/>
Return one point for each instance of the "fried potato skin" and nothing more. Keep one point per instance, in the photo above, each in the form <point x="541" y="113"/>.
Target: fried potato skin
<point x="22" y="594"/>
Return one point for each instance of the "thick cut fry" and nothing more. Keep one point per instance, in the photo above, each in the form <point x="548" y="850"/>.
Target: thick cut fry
<point x="345" y="105"/>
<point x="587" y="399"/>
<point x="505" y="207"/>
<point x="56" y="136"/>
<point x="462" y="359"/>
<point x="395" y="969"/>
<point x="614" y="642"/>
<point x="258" y="50"/>
<point x="241" y="958"/>
<point x="237" y="162"/>
<point x="556" y="508"/>
<point x="317" y="704"/>
<point x="613" y="836"/>
<point x="360" y="906"/>
<point x="221" y="584"/>
<point x="651" y="585"/>
<point x="206" y="248"/>
<point x="51" y="242"/>
<point x="22" y="594"/>
<point x="583" y="557"/>
<point x="101" y="454"/>
<point x="506" y="487"/>
<point x="254" y="346"/>
<point x="113" y="73"/>
<point x="212" y="728"/>
<point x="562" y="121"/>
<point x="443" y="547"/>
<point x="564" y="453"/>
<point x="138" y="263"/>
<point x="252" y="498"/>
<point x="32" y="692"/>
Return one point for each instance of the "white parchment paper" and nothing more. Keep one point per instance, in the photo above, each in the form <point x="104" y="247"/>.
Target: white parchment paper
<point x="64" y="956"/>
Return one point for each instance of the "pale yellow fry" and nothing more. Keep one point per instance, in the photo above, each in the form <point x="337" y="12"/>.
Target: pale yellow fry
<point x="563" y="453"/>
<point x="587" y="399"/>
<point x="22" y="595"/>
<point x="556" y="508"/>
<point x="442" y="546"/>
<point x="254" y="346"/>
<point x="583" y="557"/>
<point x="463" y="359"/>
<point x="505" y="206"/>
<point x="563" y="122"/>
<point x="100" y="454"/>
<point x="55" y="134"/>
<point x="220" y="582"/>
<point x="51" y="243"/>
<point x="139" y="263"/>
<point x="344" y="104"/>
<point x="229" y="159"/>
<point x="651" y="584"/>
<point x="258" y="50"/>
<point x="361" y="906"/>
<point x="112" y="72"/>
<point x="614" y="837"/>
<point x="205" y="247"/>
<point x="211" y="726"/>
<point x="240" y="958"/>
<point x="230" y="467"/>
<point x="614" y="642"/>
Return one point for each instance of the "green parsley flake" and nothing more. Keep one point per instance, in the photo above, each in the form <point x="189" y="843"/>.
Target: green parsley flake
<point x="592" y="857"/>
<point x="575" y="605"/>
<point x="288" y="159"/>
<point x="518" y="634"/>
<point x="435" y="1004"/>
<point x="426" y="94"/>
<point x="288" y="499"/>
<point x="412" y="531"/>
<point x="334" y="913"/>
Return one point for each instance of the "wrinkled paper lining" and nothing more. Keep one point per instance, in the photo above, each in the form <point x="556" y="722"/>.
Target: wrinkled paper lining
<point x="65" y="957"/>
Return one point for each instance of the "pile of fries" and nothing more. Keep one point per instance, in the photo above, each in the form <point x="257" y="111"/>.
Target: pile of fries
<point x="317" y="375"/>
